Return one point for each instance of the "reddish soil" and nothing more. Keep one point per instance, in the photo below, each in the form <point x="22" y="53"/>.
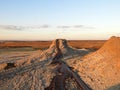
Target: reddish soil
<point x="94" y="44"/>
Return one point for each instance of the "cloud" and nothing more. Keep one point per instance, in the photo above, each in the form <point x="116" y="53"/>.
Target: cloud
<point x="39" y="26"/>
<point x="83" y="27"/>
<point x="11" y="27"/>
<point x="78" y="26"/>
<point x="44" y="26"/>
<point x="63" y="27"/>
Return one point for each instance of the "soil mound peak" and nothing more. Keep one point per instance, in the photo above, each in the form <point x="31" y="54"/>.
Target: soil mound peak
<point x="61" y="45"/>
<point x="111" y="47"/>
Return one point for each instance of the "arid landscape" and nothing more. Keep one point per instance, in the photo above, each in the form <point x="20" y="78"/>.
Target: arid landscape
<point x="94" y="44"/>
<point x="72" y="65"/>
<point x="59" y="44"/>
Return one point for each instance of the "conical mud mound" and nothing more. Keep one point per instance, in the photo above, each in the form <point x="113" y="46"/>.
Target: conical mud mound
<point x="66" y="50"/>
<point x="42" y="69"/>
<point x="101" y="69"/>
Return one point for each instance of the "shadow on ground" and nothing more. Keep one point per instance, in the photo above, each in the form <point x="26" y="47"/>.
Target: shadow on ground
<point x="115" y="87"/>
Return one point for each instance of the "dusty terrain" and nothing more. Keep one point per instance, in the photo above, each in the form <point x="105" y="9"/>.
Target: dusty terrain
<point x="62" y="67"/>
<point x="32" y="70"/>
<point x="100" y="69"/>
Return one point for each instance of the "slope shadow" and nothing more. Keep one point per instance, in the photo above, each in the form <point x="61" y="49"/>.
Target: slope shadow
<point x="115" y="87"/>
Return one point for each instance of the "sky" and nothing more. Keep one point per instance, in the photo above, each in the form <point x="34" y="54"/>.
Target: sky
<point x="52" y="19"/>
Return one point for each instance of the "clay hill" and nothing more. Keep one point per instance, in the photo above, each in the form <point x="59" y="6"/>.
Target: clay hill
<point x="101" y="69"/>
<point x="42" y="70"/>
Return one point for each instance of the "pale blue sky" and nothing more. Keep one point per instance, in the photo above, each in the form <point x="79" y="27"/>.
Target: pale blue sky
<point x="97" y="19"/>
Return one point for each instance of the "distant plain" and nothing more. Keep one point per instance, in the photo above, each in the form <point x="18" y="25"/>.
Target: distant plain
<point x="27" y="46"/>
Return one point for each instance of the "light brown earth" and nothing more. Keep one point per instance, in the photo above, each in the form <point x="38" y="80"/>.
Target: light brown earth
<point x="32" y="69"/>
<point x="101" y="69"/>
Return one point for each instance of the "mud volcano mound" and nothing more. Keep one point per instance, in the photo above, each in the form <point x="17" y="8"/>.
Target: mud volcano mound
<point x="101" y="69"/>
<point x="38" y="71"/>
<point x="66" y="50"/>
